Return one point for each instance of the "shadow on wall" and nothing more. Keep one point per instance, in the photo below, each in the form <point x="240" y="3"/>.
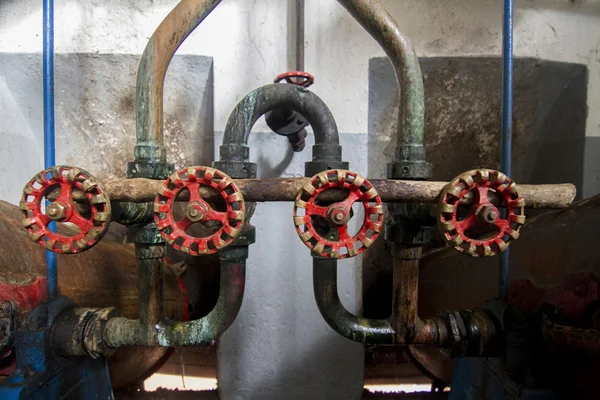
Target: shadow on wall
<point x="462" y="131"/>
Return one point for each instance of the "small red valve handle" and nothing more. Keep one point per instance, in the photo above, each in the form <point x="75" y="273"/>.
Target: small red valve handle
<point x="482" y="231"/>
<point x="63" y="209"/>
<point x="338" y="214"/>
<point x="198" y="210"/>
<point x="299" y="78"/>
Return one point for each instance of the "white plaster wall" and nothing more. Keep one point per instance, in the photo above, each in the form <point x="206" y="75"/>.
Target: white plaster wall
<point x="248" y="40"/>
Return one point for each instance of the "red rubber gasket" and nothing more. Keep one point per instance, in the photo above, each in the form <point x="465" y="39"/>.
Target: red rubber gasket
<point x="68" y="179"/>
<point x="359" y="189"/>
<point x="299" y="78"/>
<point x="474" y="187"/>
<point x="192" y="179"/>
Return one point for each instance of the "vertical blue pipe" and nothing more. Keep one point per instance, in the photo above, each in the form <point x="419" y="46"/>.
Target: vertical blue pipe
<point x="507" y="117"/>
<point x="49" y="143"/>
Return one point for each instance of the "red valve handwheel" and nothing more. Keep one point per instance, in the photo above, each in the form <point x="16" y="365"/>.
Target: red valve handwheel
<point x="478" y="228"/>
<point x="198" y="210"/>
<point x="62" y="185"/>
<point x="299" y="78"/>
<point x="338" y="214"/>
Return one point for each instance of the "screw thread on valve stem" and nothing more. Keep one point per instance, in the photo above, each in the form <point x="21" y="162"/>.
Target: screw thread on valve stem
<point x="406" y="291"/>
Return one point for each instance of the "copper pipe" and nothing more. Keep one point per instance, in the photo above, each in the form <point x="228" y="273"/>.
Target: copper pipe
<point x="410" y="160"/>
<point x="163" y="44"/>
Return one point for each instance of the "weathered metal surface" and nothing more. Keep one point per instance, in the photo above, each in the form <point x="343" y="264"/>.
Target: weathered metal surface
<point x="163" y="44"/>
<point x="286" y="189"/>
<point x="308" y="206"/>
<point x="405" y="320"/>
<point x="231" y="218"/>
<point x="151" y="330"/>
<point x="409" y="160"/>
<point x="234" y="152"/>
<point x="64" y="210"/>
<point x="572" y="338"/>
<point x="484" y="231"/>
<point x="363" y="330"/>
<point x="106" y="275"/>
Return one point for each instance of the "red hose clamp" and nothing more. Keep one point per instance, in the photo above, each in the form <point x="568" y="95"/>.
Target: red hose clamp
<point x="71" y="183"/>
<point x="192" y="180"/>
<point x="338" y="214"/>
<point x="299" y="78"/>
<point x="478" y="228"/>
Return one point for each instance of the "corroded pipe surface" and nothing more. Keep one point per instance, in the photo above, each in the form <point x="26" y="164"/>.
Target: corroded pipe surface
<point x="405" y="320"/>
<point x="286" y="189"/>
<point x="163" y="44"/>
<point x="587" y="340"/>
<point x="167" y="333"/>
<point x="371" y="331"/>
<point x="411" y="116"/>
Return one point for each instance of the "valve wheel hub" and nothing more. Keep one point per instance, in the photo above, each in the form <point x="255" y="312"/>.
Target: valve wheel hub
<point x="479" y="229"/>
<point x="58" y="184"/>
<point x="337" y="215"/>
<point x="194" y="180"/>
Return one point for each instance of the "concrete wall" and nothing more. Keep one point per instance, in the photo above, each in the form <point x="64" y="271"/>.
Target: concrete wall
<point x="279" y="332"/>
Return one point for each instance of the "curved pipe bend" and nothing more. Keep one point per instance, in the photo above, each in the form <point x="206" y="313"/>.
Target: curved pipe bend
<point x="234" y="150"/>
<point x="363" y="330"/>
<point x="163" y="332"/>
<point x="409" y="161"/>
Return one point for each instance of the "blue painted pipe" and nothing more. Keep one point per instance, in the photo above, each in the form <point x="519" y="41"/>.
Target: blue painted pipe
<point x="507" y="116"/>
<point x="49" y="142"/>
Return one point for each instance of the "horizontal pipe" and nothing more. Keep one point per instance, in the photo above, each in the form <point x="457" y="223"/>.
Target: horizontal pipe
<point x="363" y="330"/>
<point x="562" y="336"/>
<point x="286" y="189"/>
<point x="167" y="333"/>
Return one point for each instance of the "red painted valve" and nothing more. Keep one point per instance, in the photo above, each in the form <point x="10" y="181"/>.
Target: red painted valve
<point x="299" y="78"/>
<point x="195" y="180"/>
<point x="307" y="211"/>
<point x="70" y="190"/>
<point x="468" y="219"/>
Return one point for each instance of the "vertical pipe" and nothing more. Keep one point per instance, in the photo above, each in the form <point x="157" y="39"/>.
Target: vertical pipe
<point x="151" y="298"/>
<point x="405" y="291"/>
<point x="299" y="35"/>
<point x="507" y="109"/>
<point x="49" y="143"/>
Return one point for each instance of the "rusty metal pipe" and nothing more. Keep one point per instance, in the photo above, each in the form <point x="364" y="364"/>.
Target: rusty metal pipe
<point x="286" y="189"/>
<point x="150" y="152"/>
<point x="371" y="331"/>
<point x="410" y="161"/>
<point x="567" y="337"/>
<point x="167" y="333"/>
<point x="234" y="153"/>
<point x="406" y="291"/>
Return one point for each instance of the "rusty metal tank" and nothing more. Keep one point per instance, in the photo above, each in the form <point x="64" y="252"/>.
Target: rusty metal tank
<point x="103" y="276"/>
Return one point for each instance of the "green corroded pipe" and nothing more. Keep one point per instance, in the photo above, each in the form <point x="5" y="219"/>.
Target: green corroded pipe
<point x="410" y="161"/>
<point x="368" y="331"/>
<point x="163" y="44"/>
<point x="149" y="331"/>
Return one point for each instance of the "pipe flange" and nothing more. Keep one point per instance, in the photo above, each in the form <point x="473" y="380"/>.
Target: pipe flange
<point x="230" y="218"/>
<point x="481" y="229"/>
<point x="338" y="214"/>
<point x="63" y="209"/>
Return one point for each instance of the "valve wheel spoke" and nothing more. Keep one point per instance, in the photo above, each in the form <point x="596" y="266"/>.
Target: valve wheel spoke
<point x="482" y="213"/>
<point x="338" y="214"/>
<point x="66" y="179"/>
<point x="192" y="179"/>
